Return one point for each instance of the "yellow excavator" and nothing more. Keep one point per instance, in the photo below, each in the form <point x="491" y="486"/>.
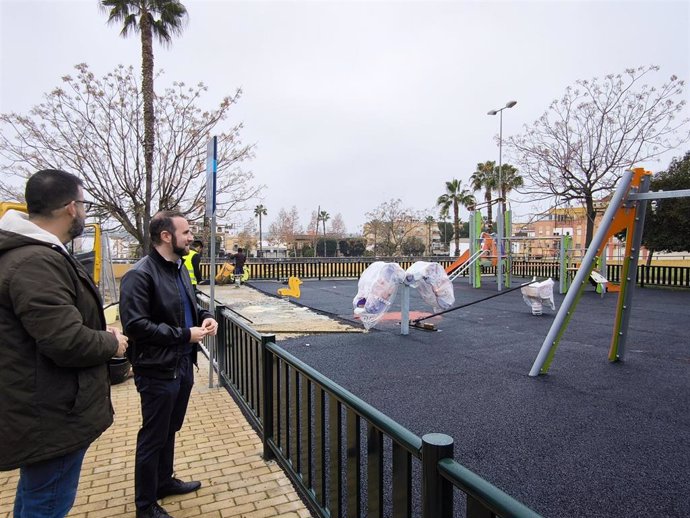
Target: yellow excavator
<point x="89" y="249"/>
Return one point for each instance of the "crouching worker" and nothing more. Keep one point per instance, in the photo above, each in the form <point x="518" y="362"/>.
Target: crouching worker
<point x="165" y="324"/>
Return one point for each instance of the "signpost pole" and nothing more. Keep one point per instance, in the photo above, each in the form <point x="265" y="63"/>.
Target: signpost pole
<point x="211" y="170"/>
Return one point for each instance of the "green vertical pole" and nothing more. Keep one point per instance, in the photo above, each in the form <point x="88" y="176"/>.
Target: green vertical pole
<point x="477" y="281"/>
<point x="473" y="246"/>
<point x="566" y="247"/>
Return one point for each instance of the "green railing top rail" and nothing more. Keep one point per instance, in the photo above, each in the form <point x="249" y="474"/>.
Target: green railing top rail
<point x="489" y="495"/>
<point x="400" y="434"/>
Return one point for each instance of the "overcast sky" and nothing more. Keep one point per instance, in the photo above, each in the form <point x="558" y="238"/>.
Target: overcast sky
<point x="353" y="103"/>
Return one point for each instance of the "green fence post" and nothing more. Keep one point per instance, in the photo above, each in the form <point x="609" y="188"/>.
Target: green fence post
<point x="437" y="492"/>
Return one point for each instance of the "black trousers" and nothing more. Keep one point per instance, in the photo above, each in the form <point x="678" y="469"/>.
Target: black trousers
<point x="163" y="408"/>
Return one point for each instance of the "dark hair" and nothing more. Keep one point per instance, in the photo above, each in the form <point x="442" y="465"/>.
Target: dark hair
<point x="50" y="189"/>
<point x="240" y="250"/>
<point x="198" y="242"/>
<point x="162" y="221"/>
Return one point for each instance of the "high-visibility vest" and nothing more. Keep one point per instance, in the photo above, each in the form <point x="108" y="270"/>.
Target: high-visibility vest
<point x="190" y="266"/>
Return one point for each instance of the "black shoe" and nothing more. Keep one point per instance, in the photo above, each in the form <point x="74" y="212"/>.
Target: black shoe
<point x="176" y="487"/>
<point x="153" y="511"/>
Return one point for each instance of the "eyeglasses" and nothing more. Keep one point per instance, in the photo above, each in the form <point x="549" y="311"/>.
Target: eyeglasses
<point x="87" y="204"/>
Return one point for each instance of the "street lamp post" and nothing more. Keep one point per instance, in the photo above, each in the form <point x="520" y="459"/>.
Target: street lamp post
<point x="500" y="227"/>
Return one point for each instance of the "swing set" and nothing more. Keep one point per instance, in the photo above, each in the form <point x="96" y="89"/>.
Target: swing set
<point x="626" y="211"/>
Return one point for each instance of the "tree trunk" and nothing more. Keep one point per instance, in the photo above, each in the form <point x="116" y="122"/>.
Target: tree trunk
<point x="149" y="121"/>
<point x="649" y="257"/>
<point x="591" y="216"/>
<point x="489" y="210"/>
<point x="428" y="240"/>
<point x="261" y="246"/>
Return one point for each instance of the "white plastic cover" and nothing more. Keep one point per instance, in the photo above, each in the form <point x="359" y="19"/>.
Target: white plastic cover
<point x="433" y="284"/>
<point x="537" y="294"/>
<point x="376" y="291"/>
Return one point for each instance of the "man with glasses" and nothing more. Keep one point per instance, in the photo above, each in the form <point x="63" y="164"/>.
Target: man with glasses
<point x="55" y="348"/>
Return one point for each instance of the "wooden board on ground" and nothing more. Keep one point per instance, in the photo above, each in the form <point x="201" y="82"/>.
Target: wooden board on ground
<point x="271" y="315"/>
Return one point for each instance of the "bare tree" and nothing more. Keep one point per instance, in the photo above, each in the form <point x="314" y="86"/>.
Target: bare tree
<point x="286" y="226"/>
<point x="429" y="222"/>
<point x="246" y="237"/>
<point x="313" y="228"/>
<point x="393" y="223"/>
<point x="93" y="128"/>
<point x="578" y="149"/>
<point x="338" y="228"/>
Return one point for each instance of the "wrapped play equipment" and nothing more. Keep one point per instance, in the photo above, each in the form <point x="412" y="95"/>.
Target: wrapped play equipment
<point x="433" y="284"/>
<point x="537" y="294"/>
<point x="226" y="275"/>
<point x="376" y="291"/>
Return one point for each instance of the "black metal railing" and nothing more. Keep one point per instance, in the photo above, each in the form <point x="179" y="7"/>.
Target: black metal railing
<point x="346" y="458"/>
<point x="239" y="361"/>
<point x="332" y="268"/>
<point x="339" y="268"/>
<point x="670" y="276"/>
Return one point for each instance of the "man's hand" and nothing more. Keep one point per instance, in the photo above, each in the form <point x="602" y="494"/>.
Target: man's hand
<point x="121" y="341"/>
<point x="211" y="326"/>
<point x="198" y="334"/>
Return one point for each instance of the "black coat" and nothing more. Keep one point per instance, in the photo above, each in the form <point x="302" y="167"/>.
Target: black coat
<point x="152" y="314"/>
<point x="54" y="384"/>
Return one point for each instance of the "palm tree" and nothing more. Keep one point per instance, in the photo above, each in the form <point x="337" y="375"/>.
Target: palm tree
<point x="485" y="177"/>
<point x="429" y="221"/>
<point x="510" y="179"/>
<point x="163" y="19"/>
<point x="323" y="216"/>
<point x="455" y="196"/>
<point x="259" y="211"/>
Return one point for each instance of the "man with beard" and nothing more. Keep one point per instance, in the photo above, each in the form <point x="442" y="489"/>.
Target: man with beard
<point x="165" y="324"/>
<point x="55" y="348"/>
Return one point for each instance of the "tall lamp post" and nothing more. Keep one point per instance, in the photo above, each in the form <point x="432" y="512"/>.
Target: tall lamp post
<point x="499" y="230"/>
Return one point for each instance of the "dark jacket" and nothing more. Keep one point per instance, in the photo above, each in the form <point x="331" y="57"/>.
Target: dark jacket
<point x="152" y="315"/>
<point x="240" y="259"/>
<point x="54" y="384"/>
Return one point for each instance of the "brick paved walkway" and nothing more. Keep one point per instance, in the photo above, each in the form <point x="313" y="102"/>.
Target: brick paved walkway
<point x="216" y="446"/>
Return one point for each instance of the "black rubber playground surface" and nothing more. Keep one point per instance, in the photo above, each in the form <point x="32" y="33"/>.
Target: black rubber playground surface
<point x="590" y="439"/>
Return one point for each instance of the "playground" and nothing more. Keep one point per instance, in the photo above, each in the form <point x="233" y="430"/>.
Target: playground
<point x="591" y="438"/>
